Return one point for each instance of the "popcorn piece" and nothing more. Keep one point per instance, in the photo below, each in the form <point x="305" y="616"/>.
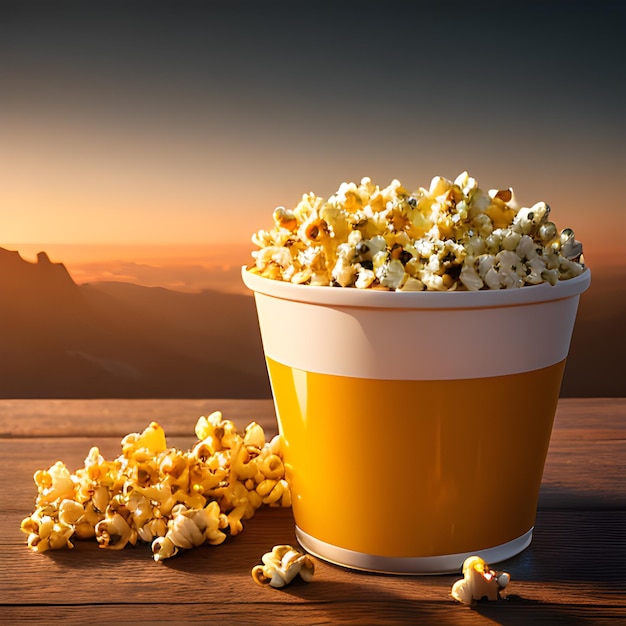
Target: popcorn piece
<point x="368" y="237"/>
<point x="281" y="566"/>
<point x="54" y="483"/>
<point x="570" y="248"/>
<point x="285" y="219"/>
<point x="46" y="532"/>
<point x="145" y="445"/>
<point x="469" y="276"/>
<point x="189" y="528"/>
<point x="478" y="582"/>
<point x="114" y="531"/>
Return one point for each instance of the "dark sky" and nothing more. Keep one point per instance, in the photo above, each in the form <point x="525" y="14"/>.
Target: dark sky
<point x="274" y="99"/>
<point x="531" y="60"/>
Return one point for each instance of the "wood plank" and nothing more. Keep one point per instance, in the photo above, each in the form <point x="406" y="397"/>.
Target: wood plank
<point x="574" y="562"/>
<point x="586" y="472"/>
<point x="574" y="572"/>
<point x="116" y="418"/>
<point x="600" y="536"/>
<point x="387" y="612"/>
<point x="591" y="413"/>
<point x="573" y="558"/>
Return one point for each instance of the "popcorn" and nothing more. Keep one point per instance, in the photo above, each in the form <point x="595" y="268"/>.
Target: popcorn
<point x="115" y="530"/>
<point x="54" y="483"/>
<point x="478" y="582"/>
<point x="172" y="499"/>
<point x="189" y="528"/>
<point x="451" y="236"/>
<point x="281" y="566"/>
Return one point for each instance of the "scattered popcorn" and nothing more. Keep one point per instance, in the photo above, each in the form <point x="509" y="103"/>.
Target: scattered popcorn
<point x="451" y="236"/>
<point x="281" y="566"/>
<point x="479" y="582"/>
<point x="172" y="499"/>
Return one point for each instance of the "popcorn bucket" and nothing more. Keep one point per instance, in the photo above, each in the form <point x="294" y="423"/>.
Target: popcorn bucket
<point x="415" y="425"/>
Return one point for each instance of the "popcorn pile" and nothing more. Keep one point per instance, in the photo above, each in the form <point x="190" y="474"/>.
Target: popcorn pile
<point x="452" y="236"/>
<point x="167" y="497"/>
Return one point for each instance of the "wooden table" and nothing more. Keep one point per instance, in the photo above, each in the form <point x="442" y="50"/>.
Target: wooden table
<point x="574" y="572"/>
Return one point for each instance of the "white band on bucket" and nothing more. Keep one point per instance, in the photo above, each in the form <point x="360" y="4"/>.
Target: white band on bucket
<point x="418" y="335"/>
<point x="444" y="564"/>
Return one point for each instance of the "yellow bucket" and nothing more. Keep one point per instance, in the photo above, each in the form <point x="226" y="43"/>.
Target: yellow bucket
<point x="415" y="425"/>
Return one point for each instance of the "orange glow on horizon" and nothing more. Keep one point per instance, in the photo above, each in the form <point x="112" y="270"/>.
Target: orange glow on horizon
<point x="192" y="268"/>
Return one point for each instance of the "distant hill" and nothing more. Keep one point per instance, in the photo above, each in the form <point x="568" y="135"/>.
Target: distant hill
<point x="61" y="340"/>
<point x="119" y="340"/>
<point x="595" y="366"/>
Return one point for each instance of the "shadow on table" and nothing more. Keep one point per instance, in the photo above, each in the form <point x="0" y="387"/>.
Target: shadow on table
<point x="557" y="496"/>
<point x="427" y="606"/>
<point x="569" y="546"/>
<point x="520" y="612"/>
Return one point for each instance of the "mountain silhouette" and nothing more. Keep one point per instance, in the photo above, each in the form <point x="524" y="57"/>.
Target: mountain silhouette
<point x="28" y="286"/>
<point x="62" y="340"/>
<point x="120" y="340"/>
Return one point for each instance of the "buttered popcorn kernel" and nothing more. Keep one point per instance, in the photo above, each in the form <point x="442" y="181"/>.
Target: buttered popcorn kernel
<point x="479" y="582"/>
<point x="451" y="236"/>
<point x="281" y="566"/>
<point x="172" y="499"/>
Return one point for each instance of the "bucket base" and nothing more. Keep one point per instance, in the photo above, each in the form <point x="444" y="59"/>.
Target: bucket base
<point x="444" y="564"/>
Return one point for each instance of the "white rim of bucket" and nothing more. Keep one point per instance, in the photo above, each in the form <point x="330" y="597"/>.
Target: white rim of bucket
<point x="428" y="565"/>
<point x="373" y="298"/>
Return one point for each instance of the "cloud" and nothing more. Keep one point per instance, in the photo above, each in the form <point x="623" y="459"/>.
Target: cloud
<point x="190" y="277"/>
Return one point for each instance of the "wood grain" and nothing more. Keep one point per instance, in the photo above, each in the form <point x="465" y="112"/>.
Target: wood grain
<point x="574" y="572"/>
<point x="116" y="418"/>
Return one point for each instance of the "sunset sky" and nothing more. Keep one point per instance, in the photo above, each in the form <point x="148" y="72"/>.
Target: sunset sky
<point x="187" y="122"/>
